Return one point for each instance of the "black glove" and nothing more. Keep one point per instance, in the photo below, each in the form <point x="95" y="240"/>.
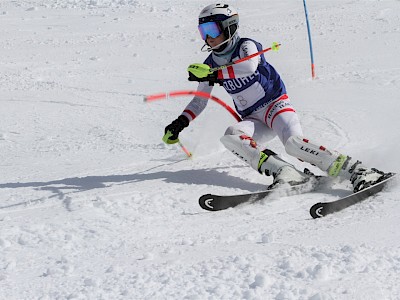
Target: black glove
<point x="211" y="78"/>
<point x="172" y="130"/>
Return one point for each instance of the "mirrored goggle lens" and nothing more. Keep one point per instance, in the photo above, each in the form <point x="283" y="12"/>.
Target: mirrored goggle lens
<point x="210" y="28"/>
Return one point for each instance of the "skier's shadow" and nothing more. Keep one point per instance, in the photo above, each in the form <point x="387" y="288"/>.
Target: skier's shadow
<point x="60" y="188"/>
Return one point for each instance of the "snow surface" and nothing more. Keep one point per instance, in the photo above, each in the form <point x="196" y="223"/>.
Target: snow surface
<point x="94" y="206"/>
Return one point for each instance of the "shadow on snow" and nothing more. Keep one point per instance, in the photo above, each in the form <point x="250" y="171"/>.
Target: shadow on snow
<point x="60" y="188"/>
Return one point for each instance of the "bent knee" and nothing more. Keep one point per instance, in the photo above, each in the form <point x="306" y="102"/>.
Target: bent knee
<point x="233" y="130"/>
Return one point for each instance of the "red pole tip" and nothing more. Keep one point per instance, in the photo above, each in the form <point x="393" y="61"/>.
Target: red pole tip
<point x="313" y="71"/>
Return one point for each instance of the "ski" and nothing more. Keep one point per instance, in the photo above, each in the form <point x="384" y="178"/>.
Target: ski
<point x="322" y="209"/>
<point x="213" y="202"/>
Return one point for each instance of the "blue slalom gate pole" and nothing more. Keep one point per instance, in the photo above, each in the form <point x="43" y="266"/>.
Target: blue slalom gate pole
<point x="309" y="41"/>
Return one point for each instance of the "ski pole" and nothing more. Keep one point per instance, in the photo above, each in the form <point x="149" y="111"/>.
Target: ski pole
<point x="188" y="153"/>
<point x="275" y="47"/>
<point x="169" y="134"/>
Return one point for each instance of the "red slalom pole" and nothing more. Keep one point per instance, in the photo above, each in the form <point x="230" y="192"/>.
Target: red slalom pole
<point x="160" y="96"/>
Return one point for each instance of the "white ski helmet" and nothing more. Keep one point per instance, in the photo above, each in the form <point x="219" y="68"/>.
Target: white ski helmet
<point x="218" y="18"/>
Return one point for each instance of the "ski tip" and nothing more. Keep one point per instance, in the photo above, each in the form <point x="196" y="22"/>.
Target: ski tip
<point x="205" y="202"/>
<point x="317" y="210"/>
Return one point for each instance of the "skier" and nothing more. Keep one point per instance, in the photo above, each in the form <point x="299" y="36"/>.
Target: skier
<point x="260" y="98"/>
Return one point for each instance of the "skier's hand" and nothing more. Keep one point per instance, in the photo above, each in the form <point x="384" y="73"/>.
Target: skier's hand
<point x="202" y="72"/>
<point x="172" y="130"/>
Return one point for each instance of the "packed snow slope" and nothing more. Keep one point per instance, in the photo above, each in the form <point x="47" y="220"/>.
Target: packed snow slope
<point x="93" y="205"/>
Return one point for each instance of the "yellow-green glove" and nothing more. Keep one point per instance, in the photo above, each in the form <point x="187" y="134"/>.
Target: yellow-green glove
<point x="171" y="133"/>
<point x="202" y="72"/>
<point x="199" y="70"/>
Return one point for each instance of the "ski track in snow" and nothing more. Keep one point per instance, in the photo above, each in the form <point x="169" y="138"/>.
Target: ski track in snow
<point x="94" y="206"/>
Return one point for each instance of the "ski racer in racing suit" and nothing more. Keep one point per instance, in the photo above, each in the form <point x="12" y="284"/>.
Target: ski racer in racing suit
<point x="260" y="98"/>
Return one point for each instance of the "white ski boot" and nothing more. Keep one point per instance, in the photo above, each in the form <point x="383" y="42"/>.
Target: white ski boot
<point x="334" y="163"/>
<point x="365" y="177"/>
<point x="283" y="172"/>
<point x="360" y="176"/>
<point x="265" y="162"/>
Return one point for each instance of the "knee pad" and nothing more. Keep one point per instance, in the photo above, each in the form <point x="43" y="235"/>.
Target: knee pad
<point x="232" y="130"/>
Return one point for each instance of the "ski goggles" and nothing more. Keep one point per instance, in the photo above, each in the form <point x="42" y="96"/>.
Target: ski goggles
<point x="210" y="28"/>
